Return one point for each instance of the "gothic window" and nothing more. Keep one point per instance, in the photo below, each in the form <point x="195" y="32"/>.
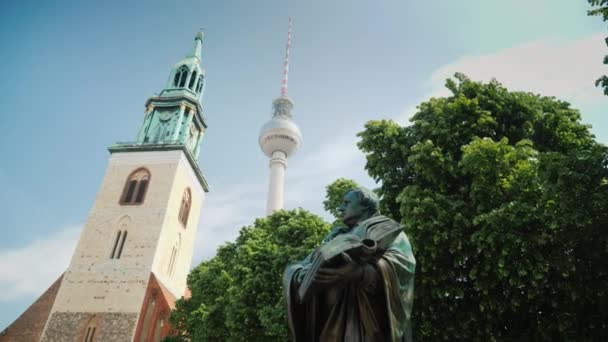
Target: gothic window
<point x="135" y="187"/>
<point x="90" y="335"/>
<point x="184" y="209"/>
<point x="130" y="190"/>
<point x="180" y="77"/>
<point x="192" y="80"/>
<point x="91" y="330"/>
<point x="119" y="244"/>
<point x="183" y="76"/>
<point x="172" y="260"/>
<point x="174" y="255"/>
<point x="199" y="87"/>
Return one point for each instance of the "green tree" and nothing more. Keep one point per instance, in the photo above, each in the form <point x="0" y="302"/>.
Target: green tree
<point x="504" y="196"/>
<point x="335" y="195"/>
<point x="237" y="295"/>
<point x="600" y="8"/>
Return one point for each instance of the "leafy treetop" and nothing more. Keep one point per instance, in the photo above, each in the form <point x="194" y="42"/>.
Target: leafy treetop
<point x="504" y="197"/>
<point x="237" y="295"/>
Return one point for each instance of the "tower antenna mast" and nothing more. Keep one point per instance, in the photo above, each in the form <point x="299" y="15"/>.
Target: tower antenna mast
<point x="286" y="64"/>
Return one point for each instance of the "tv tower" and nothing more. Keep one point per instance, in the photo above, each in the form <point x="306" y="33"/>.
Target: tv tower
<point x="280" y="138"/>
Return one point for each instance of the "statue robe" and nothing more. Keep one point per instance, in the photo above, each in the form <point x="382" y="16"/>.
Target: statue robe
<point x="377" y="308"/>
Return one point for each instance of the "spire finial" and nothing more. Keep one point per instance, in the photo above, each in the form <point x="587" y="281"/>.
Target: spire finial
<point x="286" y="64"/>
<point x="198" y="44"/>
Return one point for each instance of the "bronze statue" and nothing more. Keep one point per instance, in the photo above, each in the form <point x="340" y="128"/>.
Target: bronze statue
<point x="359" y="284"/>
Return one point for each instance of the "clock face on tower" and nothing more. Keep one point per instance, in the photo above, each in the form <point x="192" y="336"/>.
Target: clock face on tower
<point x="167" y="114"/>
<point x="172" y="125"/>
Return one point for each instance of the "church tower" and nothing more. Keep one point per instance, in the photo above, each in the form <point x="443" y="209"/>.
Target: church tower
<point x="135" y="250"/>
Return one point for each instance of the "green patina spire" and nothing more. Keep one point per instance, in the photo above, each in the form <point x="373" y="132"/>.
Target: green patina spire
<point x="198" y="46"/>
<point x="187" y="74"/>
<point x="174" y="118"/>
<point x="175" y="115"/>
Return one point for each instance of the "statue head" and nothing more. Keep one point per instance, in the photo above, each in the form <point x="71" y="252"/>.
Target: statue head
<point x="358" y="205"/>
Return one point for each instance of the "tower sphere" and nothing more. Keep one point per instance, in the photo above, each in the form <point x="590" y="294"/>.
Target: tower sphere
<point x="280" y="134"/>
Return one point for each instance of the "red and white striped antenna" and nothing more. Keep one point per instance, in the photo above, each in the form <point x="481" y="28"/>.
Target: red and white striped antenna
<point x="286" y="64"/>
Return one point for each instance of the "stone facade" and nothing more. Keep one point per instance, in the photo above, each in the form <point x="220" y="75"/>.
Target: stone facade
<point x="71" y="326"/>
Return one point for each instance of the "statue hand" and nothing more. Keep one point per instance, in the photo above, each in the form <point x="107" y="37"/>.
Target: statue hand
<point x="350" y="271"/>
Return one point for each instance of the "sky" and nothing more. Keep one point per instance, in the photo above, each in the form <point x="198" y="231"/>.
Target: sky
<point x="76" y="75"/>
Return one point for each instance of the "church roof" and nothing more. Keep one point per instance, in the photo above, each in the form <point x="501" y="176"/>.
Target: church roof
<point x="167" y="295"/>
<point x="29" y="326"/>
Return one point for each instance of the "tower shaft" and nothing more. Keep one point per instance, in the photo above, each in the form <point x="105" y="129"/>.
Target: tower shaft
<point x="278" y="165"/>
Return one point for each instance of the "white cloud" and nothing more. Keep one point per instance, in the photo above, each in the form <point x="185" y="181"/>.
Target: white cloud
<point x="31" y="269"/>
<point x="333" y="156"/>
<point x="560" y="68"/>
<point x="223" y="214"/>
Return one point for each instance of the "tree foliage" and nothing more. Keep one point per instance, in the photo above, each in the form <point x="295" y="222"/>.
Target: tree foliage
<point x="237" y="295"/>
<point x="335" y="194"/>
<point x="600" y="8"/>
<point x="504" y="196"/>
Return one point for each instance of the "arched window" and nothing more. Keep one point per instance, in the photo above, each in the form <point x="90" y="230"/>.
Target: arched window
<point x="199" y="86"/>
<point x="184" y="209"/>
<point x="180" y="76"/>
<point x="174" y="255"/>
<point x="135" y="188"/>
<point x="90" y="335"/>
<point x="172" y="260"/>
<point x="91" y="330"/>
<point x="183" y="76"/>
<point x="119" y="244"/>
<point x="192" y="81"/>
